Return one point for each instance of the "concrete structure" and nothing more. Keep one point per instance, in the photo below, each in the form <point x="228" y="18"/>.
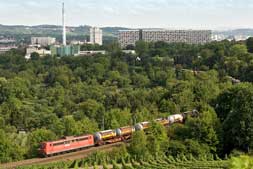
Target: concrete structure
<point x="36" y="49"/>
<point x="130" y="37"/>
<point x="43" y="41"/>
<point x="76" y="42"/>
<point x="64" y="49"/>
<point x="68" y="50"/>
<point x="4" y="49"/>
<point x="63" y="26"/>
<point x="129" y="51"/>
<point x="92" y="52"/>
<point x="96" y="36"/>
<point x="7" y="41"/>
<point x="103" y="52"/>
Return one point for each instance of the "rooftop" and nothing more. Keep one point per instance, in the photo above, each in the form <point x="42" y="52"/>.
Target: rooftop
<point x="160" y="29"/>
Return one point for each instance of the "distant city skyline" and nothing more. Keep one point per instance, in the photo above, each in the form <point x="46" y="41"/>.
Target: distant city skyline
<point x="180" y="14"/>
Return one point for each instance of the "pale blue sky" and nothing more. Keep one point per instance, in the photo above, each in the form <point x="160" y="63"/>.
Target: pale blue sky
<point x="210" y="14"/>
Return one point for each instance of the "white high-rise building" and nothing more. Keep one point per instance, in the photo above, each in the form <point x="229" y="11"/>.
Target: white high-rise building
<point x="96" y="36"/>
<point x="43" y="41"/>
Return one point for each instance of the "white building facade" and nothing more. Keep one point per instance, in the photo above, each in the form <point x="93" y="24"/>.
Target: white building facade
<point x="130" y="37"/>
<point x="43" y="41"/>
<point x="4" y="49"/>
<point x="96" y="36"/>
<point x="35" y="49"/>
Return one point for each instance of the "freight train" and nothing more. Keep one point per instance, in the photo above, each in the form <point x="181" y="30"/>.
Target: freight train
<point x="75" y="143"/>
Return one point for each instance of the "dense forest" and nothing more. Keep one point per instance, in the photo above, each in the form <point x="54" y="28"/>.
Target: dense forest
<point x="48" y="98"/>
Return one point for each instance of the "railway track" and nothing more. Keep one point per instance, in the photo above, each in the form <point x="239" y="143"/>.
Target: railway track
<point x="103" y="137"/>
<point x="63" y="157"/>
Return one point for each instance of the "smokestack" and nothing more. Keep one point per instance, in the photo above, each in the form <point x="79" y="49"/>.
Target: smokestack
<point x="63" y="26"/>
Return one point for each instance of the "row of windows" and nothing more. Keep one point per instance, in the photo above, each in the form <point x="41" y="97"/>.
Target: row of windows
<point x="71" y="141"/>
<point x="165" y="33"/>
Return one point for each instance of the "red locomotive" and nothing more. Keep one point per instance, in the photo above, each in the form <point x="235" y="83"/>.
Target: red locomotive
<point x="65" y="145"/>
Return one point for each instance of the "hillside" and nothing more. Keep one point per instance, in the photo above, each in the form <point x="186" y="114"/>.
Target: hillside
<point x="53" y="30"/>
<point x="84" y="30"/>
<point x="45" y="99"/>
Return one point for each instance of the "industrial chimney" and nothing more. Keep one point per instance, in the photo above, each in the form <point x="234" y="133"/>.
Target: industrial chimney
<point x="63" y="26"/>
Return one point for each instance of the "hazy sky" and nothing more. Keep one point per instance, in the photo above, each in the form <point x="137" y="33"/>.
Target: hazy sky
<point x="211" y="14"/>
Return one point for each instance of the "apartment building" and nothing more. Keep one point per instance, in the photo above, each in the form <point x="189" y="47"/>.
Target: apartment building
<point x="43" y="41"/>
<point x="129" y="37"/>
<point x="96" y="36"/>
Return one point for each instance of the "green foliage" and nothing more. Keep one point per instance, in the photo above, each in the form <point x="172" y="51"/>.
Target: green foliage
<point x="36" y="137"/>
<point x="138" y="145"/>
<point x="88" y="126"/>
<point x="156" y="138"/>
<point x="115" y="165"/>
<point x="249" y="44"/>
<point x="35" y="56"/>
<point x="119" y="153"/>
<point x="76" y="165"/>
<point x="117" y="118"/>
<point x="9" y="151"/>
<point x="238" y="50"/>
<point x="91" y="108"/>
<point x="141" y="48"/>
<point x="105" y="166"/>
<point x="236" y="113"/>
<point x="50" y="97"/>
<point x="70" y="126"/>
<point x="199" y="136"/>
<point x="243" y="162"/>
<point x="140" y="80"/>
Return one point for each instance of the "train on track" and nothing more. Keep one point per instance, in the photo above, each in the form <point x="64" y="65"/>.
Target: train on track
<point x="75" y="143"/>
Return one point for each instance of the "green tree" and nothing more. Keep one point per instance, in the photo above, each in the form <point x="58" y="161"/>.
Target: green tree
<point x="71" y="127"/>
<point x="204" y="129"/>
<point x="19" y="87"/>
<point x="157" y="138"/>
<point x="176" y="147"/>
<point x="92" y="109"/>
<point x="238" y="50"/>
<point x="249" y="44"/>
<point x="205" y="87"/>
<point x="4" y="90"/>
<point x="60" y="74"/>
<point x="167" y="106"/>
<point x="36" y="137"/>
<point x="35" y="56"/>
<point x="2" y="123"/>
<point x="88" y="126"/>
<point x="117" y="118"/>
<point x="116" y="79"/>
<point x="138" y="145"/>
<point x="236" y="113"/>
<point x="140" y="80"/>
<point x="12" y="111"/>
<point x="141" y="48"/>
<point x="8" y="150"/>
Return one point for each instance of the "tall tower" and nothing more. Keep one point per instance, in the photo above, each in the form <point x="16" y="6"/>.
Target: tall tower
<point x="63" y="26"/>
